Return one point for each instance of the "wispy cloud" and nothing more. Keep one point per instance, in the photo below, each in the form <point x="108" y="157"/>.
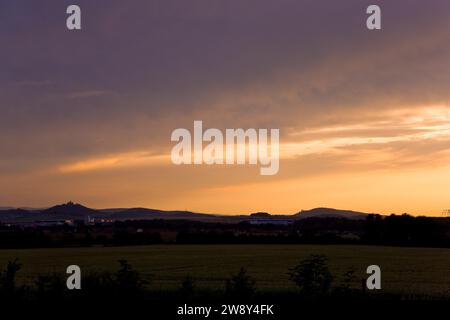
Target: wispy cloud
<point x="123" y="160"/>
<point x="409" y="126"/>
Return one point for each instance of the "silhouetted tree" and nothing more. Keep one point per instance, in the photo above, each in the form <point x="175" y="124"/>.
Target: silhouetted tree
<point x="8" y="278"/>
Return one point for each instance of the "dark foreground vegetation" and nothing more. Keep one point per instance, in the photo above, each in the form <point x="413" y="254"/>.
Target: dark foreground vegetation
<point x="316" y="287"/>
<point x="392" y="230"/>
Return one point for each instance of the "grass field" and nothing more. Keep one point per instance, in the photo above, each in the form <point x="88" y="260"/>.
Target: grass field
<point x="407" y="270"/>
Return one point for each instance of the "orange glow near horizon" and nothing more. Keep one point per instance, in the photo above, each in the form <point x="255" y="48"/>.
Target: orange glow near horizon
<point x="381" y="167"/>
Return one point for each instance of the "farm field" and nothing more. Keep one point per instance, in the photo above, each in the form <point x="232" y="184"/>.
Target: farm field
<point x="406" y="270"/>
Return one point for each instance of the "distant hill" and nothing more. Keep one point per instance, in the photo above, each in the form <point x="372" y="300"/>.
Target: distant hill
<point x="144" y="213"/>
<point x="261" y="215"/>
<point x="330" y="213"/>
<point x="70" y="209"/>
<point x="75" y="211"/>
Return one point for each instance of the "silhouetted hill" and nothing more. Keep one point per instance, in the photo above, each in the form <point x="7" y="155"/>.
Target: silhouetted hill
<point x="144" y="213"/>
<point x="75" y="211"/>
<point x="70" y="209"/>
<point x="261" y="215"/>
<point x="330" y="213"/>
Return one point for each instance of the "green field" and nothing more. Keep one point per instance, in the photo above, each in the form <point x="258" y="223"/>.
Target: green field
<point x="407" y="270"/>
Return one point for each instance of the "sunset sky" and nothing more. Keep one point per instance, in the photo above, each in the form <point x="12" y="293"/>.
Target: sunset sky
<point x="364" y="116"/>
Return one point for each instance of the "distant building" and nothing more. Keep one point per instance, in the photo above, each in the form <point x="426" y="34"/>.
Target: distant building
<point x="49" y="223"/>
<point x="93" y="221"/>
<point x="280" y="222"/>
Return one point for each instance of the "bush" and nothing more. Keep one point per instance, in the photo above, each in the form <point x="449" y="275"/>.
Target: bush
<point x="187" y="287"/>
<point x="128" y="280"/>
<point x="345" y="286"/>
<point x="241" y="285"/>
<point x="98" y="284"/>
<point x="312" y="275"/>
<point x="50" y="286"/>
